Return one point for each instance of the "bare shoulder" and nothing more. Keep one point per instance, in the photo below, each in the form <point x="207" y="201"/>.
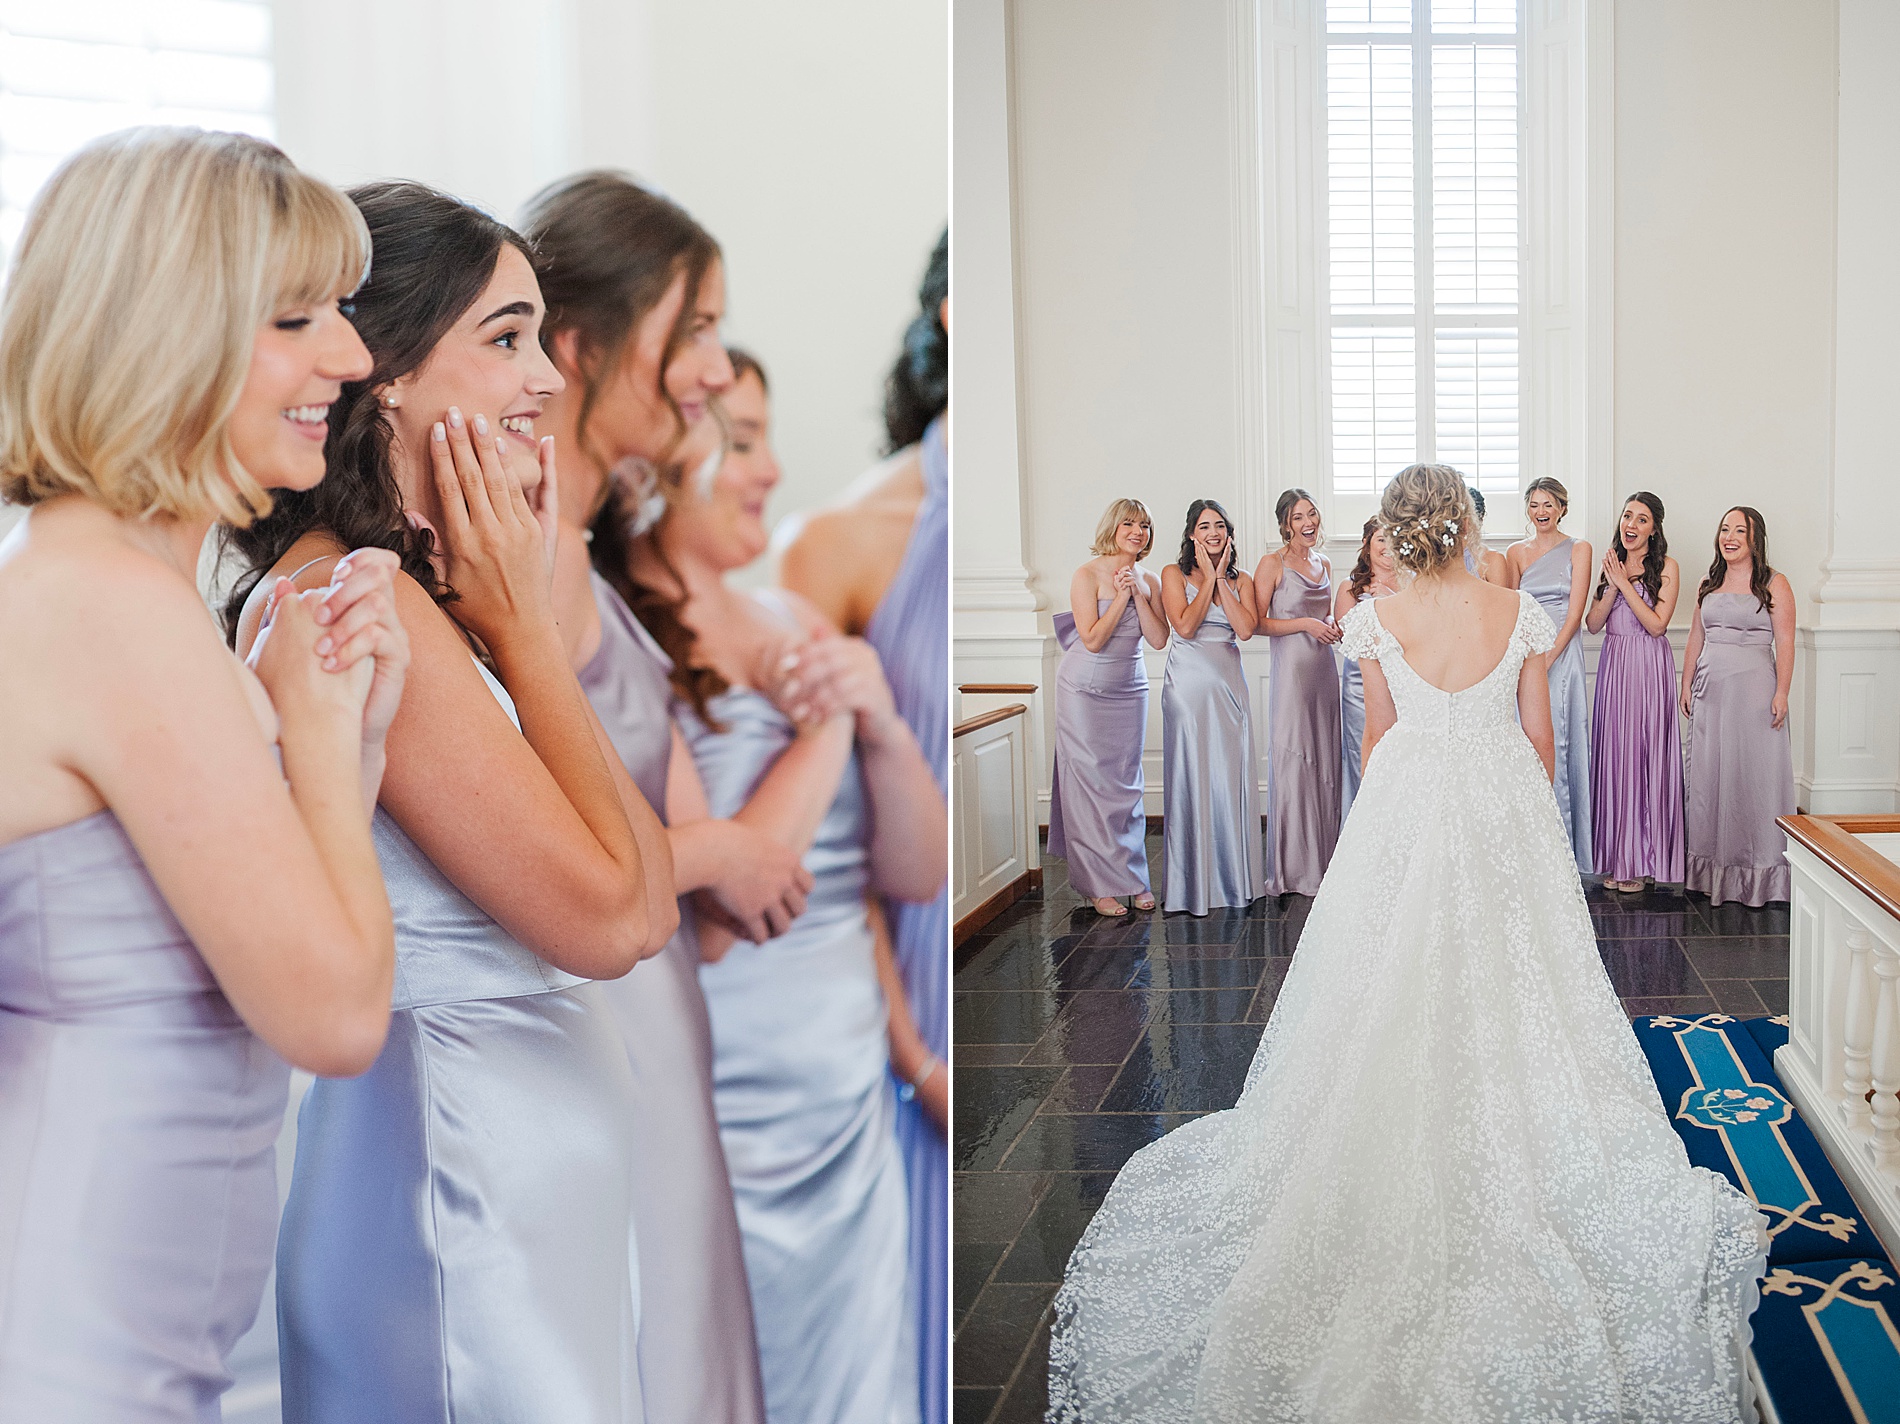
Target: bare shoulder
<point x="782" y="603"/>
<point x="307" y="564"/>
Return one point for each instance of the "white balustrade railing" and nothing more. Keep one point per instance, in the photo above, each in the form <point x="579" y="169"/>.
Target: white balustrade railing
<point x="1841" y="1064"/>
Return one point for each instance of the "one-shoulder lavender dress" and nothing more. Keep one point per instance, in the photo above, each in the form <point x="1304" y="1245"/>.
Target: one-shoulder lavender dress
<point x="801" y="1083"/>
<point x="457" y="1244"/>
<point x="1303" y="732"/>
<point x="1210" y="823"/>
<point x="1635" y="752"/>
<point x="138" y="1130"/>
<point x="1548" y="581"/>
<point x="1739" y="767"/>
<point x="911" y="632"/>
<point x="1096" y="820"/>
<point x="699" y="1360"/>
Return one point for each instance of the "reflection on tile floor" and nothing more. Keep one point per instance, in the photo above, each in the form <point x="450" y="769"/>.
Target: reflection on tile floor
<point x="1078" y="1040"/>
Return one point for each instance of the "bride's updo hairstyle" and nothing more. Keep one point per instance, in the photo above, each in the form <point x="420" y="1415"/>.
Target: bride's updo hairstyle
<point x="1428" y="518"/>
<point x="148" y="264"/>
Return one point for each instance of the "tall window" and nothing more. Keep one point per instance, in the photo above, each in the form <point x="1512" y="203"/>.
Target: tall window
<point x="71" y="70"/>
<point x="1424" y="228"/>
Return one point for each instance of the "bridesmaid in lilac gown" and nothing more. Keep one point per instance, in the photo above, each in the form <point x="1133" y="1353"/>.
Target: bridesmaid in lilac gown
<point x="1635" y="744"/>
<point x="1374" y="575"/>
<point x="1555" y="570"/>
<point x="183" y="905"/>
<point x="1293" y="589"/>
<point x="1736" y="673"/>
<point x="1096" y="820"/>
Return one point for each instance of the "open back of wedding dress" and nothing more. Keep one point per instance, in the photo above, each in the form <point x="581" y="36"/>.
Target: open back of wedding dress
<point x="1449" y="1191"/>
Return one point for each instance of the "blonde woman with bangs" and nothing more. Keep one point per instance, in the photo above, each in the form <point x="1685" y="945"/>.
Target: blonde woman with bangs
<point x="180" y="920"/>
<point x="1096" y="821"/>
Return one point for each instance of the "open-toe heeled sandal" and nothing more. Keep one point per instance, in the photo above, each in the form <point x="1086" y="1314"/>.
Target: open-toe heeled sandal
<point x="1149" y="898"/>
<point x="1120" y="912"/>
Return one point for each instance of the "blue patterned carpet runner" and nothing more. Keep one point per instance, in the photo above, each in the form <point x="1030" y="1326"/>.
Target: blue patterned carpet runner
<point x="1827" y="1333"/>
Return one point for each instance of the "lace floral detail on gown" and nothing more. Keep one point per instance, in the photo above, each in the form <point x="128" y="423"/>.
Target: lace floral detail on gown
<point x="1449" y="1190"/>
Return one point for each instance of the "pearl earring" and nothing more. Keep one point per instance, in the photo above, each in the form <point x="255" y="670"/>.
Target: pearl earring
<point x="389" y="402"/>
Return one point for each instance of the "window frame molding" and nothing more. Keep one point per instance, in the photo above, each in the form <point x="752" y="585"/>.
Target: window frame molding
<point x="1566" y="285"/>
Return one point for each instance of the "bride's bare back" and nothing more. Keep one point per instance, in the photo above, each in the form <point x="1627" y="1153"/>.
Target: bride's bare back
<point x="1453" y="626"/>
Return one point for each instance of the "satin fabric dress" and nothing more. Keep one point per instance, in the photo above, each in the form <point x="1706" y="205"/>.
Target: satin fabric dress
<point x="911" y="631"/>
<point x="1210" y="823"/>
<point x="1635" y="752"/>
<point x="806" y="1110"/>
<point x="699" y="1359"/>
<point x="1739" y="767"/>
<point x="1548" y="581"/>
<point x="457" y="1241"/>
<point x="1096" y="820"/>
<point x="138" y="1129"/>
<point x="1303" y="767"/>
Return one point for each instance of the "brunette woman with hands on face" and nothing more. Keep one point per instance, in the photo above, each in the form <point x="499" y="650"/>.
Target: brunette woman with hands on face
<point x="1096" y="820"/>
<point x="183" y="905"/>
<point x="456" y="1242"/>
<point x="1211" y="791"/>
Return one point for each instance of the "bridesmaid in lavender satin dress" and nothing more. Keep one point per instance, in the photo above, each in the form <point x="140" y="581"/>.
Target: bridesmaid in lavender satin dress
<point x="1555" y="570"/>
<point x="1096" y="818"/>
<point x="1736" y="674"/>
<point x="183" y="906"/>
<point x="1293" y="589"/>
<point x="1375" y="575"/>
<point x="1635" y="742"/>
<point x="1211" y="788"/>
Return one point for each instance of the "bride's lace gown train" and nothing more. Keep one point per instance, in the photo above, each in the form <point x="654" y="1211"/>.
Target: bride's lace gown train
<point x="1449" y="1191"/>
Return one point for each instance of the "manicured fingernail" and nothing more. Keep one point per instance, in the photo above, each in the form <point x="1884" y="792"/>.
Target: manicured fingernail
<point x="455" y="417"/>
<point x="790" y="688"/>
<point x="801" y="712"/>
<point x="481" y="425"/>
<point x="788" y="662"/>
<point x="324" y="645"/>
<point x="440" y="431"/>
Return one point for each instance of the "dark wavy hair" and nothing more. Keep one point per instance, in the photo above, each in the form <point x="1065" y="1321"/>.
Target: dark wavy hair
<point x="1283" y="509"/>
<point x="1361" y="578"/>
<point x="918" y="387"/>
<point x="433" y="256"/>
<point x="1653" y="558"/>
<point x="607" y="251"/>
<point x="1186" y="561"/>
<point x="1761" y="571"/>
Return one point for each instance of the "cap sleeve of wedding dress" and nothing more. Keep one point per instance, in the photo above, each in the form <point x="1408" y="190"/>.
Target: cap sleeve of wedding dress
<point x="1449" y="1189"/>
<point x="1363" y="632"/>
<point x="1534" y="625"/>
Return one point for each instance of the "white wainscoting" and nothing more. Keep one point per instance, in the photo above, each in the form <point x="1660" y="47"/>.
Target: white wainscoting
<point x="993" y="793"/>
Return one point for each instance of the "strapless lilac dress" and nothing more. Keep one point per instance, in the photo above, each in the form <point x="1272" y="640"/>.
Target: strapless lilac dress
<point x="138" y="1129"/>
<point x="699" y="1360"/>
<point x="1096" y="819"/>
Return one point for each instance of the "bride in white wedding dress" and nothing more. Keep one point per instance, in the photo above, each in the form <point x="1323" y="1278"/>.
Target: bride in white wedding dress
<point x="1449" y="1191"/>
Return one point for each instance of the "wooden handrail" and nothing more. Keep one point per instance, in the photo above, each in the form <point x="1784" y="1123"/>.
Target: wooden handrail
<point x="1020" y="689"/>
<point x="988" y="719"/>
<point x="1832" y="839"/>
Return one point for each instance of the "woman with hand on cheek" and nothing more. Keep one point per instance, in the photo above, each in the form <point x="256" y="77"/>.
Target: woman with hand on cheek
<point x="1635" y="743"/>
<point x="455" y="1242"/>
<point x="799" y="1023"/>
<point x="183" y="905"/>
<point x="636" y="292"/>
<point x="1293" y="593"/>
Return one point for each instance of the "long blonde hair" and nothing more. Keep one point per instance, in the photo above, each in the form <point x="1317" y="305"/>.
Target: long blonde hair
<point x="148" y="263"/>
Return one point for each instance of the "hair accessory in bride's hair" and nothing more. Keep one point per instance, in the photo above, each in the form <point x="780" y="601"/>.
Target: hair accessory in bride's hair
<point x="1452" y="525"/>
<point x="643" y="483"/>
<point x="1406" y="547"/>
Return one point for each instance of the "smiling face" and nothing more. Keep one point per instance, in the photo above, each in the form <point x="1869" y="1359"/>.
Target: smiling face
<point x="719" y="510"/>
<point x="1545" y="512"/>
<point x="299" y="363"/>
<point x="1379" y="556"/>
<point x="1132" y="536"/>
<point x="631" y="415"/>
<point x="1635" y="527"/>
<point x="490" y="364"/>
<point x="1732" y="539"/>
<point x="1302" y="523"/>
<point x="1210" y="532"/>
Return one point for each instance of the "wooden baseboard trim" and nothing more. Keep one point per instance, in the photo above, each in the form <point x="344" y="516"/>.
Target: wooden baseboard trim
<point x="974" y="921"/>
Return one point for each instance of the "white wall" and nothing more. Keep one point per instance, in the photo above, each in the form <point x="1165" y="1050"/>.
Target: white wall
<point x="1723" y="344"/>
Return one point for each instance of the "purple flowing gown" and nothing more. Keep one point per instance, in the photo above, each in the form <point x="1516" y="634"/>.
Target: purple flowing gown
<point x="911" y="631"/>
<point x="1739" y="766"/>
<point x="1303" y="740"/>
<point x="699" y="1357"/>
<point x="1096" y="821"/>
<point x="1635" y="752"/>
<point x="138" y="1130"/>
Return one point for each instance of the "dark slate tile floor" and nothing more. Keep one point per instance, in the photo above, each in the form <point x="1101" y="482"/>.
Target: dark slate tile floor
<point x="1079" y="1040"/>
